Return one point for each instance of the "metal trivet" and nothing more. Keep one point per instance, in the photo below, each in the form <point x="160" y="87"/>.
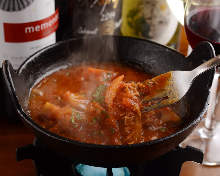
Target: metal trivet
<point x="49" y="164"/>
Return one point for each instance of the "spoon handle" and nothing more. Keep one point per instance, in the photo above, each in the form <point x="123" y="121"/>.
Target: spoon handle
<point x="207" y="65"/>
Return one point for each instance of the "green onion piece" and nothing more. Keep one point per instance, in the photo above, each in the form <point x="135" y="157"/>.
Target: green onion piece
<point x="72" y="118"/>
<point x="98" y="94"/>
<point x="112" y="130"/>
<point x="94" y="120"/>
<point x="67" y="73"/>
<point x="75" y="115"/>
<point x="163" y="129"/>
<point x="78" y="116"/>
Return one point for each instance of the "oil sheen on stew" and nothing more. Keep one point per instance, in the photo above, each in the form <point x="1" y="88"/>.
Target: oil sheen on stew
<point x="100" y="105"/>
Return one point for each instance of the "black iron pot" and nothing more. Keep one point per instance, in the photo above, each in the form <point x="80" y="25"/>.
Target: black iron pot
<point x="145" y="55"/>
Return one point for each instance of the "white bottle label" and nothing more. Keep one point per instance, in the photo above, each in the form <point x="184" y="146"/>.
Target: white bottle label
<point x="163" y="23"/>
<point x="26" y="26"/>
<point x="149" y="19"/>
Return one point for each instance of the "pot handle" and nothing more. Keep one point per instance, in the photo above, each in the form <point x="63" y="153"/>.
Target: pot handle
<point x="202" y="52"/>
<point x="9" y="76"/>
<point x="2" y="97"/>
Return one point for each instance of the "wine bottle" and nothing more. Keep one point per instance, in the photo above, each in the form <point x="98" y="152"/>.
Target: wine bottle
<point x="149" y="19"/>
<point x="26" y="26"/>
<point x="88" y="17"/>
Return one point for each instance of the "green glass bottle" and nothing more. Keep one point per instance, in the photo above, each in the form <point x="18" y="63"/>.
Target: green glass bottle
<point x="150" y="19"/>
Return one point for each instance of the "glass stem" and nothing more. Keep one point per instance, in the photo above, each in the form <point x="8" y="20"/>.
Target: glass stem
<point x="212" y="103"/>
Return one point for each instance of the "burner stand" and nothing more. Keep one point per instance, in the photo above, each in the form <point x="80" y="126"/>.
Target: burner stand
<point x="48" y="163"/>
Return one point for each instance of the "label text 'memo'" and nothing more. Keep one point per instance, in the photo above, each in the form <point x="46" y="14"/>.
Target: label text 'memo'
<point x="43" y="26"/>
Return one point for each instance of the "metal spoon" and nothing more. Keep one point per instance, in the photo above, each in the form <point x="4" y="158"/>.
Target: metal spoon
<point x="175" y="85"/>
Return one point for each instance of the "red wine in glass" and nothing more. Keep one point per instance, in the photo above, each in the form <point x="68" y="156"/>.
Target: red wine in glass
<point x="203" y="24"/>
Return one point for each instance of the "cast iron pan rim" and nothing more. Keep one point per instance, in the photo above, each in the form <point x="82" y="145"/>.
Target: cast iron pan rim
<point x="38" y="53"/>
<point x="37" y="127"/>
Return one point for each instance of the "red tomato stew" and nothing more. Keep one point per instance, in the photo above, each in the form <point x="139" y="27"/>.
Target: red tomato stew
<point x="100" y="105"/>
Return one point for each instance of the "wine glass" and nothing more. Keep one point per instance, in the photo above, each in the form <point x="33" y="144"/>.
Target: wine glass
<point x="202" y="23"/>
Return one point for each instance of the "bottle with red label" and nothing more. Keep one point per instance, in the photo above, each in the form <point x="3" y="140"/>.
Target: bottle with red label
<point x="26" y="26"/>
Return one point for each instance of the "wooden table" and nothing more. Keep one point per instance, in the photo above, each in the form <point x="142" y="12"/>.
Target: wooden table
<point x="12" y="136"/>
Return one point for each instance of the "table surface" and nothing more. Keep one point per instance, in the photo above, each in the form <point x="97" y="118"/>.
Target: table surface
<point x="13" y="135"/>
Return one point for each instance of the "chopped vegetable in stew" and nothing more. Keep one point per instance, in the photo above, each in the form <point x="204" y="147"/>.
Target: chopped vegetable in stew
<point x="100" y="105"/>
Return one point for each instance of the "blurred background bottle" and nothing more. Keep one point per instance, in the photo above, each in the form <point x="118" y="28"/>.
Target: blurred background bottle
<point x="26" y="26"/>
<point x="158" y="20"/>
<point x="92" y="17"/>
